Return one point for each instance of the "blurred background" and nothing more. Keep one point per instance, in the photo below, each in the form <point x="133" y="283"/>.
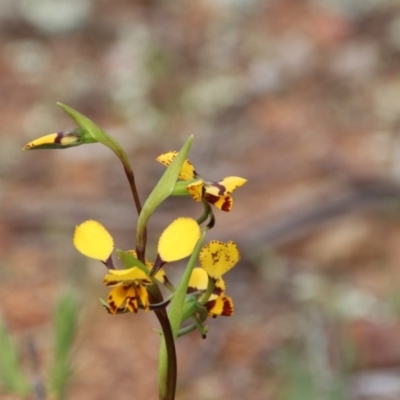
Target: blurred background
<point x="301" y="97"/>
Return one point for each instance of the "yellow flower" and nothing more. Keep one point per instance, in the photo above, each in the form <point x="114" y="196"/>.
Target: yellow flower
<point x="217" y="258"/>
<point x="218" y="303"/>
<point x="216" y="193"/>
<point x="93" y="240"/>
<point x="129" y="290"/>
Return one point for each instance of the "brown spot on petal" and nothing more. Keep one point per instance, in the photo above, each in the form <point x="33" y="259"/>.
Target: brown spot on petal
<point x="209" y="306"/>
<point x="191" y="289"/>
<point x="218" y="291"/>
<point x="132" y="304"/>
<point x="221" y="188"/>
<point x="227" y="205"/>
<point x="227" y="310"/>
<point x="210" y="198"/>
<point x="113" y="307"/>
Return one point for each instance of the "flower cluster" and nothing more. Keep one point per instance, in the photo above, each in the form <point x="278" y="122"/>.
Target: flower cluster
<point x="131" y="286"/>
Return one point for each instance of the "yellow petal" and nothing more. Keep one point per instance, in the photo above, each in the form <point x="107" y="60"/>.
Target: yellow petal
<point x="187" y="172"/>
<point x="198" y="280"/>
<point x="121" y="276"/>
<point x="117" y="297"/>
<point x="143" y="296"/>
<point x="178" y="239"/>
<point x="196" y="190"/>
<point x="232" y="182"/>
<point x="219" y="193"/>
<point x="217" y="258"/>
<point x="93" y="240"/>
<point x="222" y="305"/>
<point x="131" y="301"/>
<point x="226" y="186"/>
<point x="224" y="203"/>
<point x="219" y="289"/>
<point x="44" y="140"/>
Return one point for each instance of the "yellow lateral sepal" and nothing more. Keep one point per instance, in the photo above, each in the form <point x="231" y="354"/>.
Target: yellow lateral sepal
<point x="178" y="239"/>
<point x="93" y="240"/>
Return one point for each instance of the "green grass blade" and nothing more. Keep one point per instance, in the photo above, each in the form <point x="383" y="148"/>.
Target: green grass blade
<point x="65" y="329"/>
<point x="11" y="374"/>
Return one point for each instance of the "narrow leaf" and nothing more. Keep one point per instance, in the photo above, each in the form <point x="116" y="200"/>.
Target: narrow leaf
<point x="161" y="191"/>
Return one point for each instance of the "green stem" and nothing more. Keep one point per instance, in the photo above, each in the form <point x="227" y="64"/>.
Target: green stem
<point x="166" y="380"/>
<point x="167" y="383"/>
<point x="208" y="292"/>
<point x="131" y="179"/>
<point x="206" y="212"/>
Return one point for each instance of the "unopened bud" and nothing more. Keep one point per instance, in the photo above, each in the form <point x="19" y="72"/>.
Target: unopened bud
<point x="60" y="140"/>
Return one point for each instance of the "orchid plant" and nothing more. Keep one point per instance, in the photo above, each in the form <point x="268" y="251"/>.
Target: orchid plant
<point x="135" y="285"/>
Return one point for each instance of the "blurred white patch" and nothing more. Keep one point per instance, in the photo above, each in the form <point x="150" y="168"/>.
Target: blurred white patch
<point x="28" y="57"/>
<point x="56" y="16"/>
<point x="383" y="385"/>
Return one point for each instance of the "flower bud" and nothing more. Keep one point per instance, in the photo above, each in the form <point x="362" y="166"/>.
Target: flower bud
<point x="61" y="140"/>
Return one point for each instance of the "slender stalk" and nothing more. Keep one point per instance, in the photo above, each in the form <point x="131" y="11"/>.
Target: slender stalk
<point x="167" y="381"/>
<point x="167" y="389"/>
<point x="132" y="184"/>
<point x="140" y="250"/>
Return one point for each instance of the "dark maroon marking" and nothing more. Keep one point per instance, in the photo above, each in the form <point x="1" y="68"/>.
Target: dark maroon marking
<point x="227" y="204"/>
<point x="210" y="198"/>
<point x="215" y="257"/>
<point x="130" y="301"/>
<point x="191" y="289"/>
<point x="59" y="137"/>
<point x="210" y="304"/>
<point x="227" y="310"/>
<point x="221" y="188"/>
<point x="112" y="305"/>
<point x="217" y="290"/>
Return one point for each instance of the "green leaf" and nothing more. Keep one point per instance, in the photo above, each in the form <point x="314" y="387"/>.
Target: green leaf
<point x="11" y="374"/>
<point x="161" y="191"/>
